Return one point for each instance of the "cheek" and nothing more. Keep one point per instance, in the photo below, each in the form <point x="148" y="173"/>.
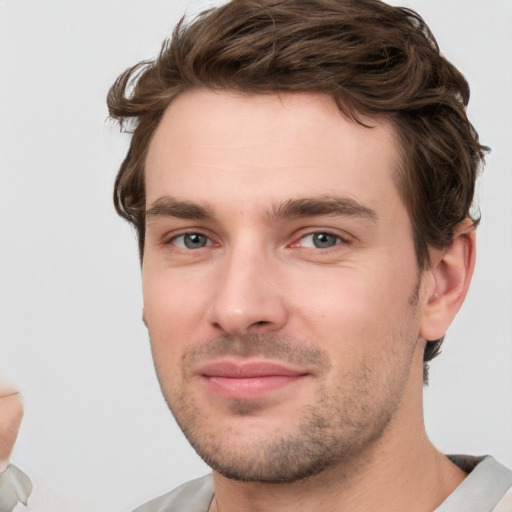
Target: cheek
<point x="172" y="313"/>
<point x="169" y="294"/>
<point x="356" y="310"/>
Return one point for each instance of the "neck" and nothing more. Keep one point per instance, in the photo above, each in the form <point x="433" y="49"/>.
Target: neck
<point x="386" y="486"/>
<point x="400" y="471"/>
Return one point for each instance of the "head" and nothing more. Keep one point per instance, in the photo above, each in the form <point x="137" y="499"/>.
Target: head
<point x="369" y="57"/>
<point x="381" y="68"/>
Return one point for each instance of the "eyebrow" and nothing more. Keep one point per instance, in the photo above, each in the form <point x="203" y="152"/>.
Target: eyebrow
<point x="325" y="205"/>
<point x="170" y="207"/>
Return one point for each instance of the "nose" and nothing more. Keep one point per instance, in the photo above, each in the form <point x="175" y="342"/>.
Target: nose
<point x="249" y="298"/>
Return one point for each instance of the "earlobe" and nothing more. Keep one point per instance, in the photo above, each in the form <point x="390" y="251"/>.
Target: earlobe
<point x="450" y="274"/>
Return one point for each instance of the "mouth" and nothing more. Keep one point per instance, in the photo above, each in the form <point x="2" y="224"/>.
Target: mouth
<point x="248" y="380"/>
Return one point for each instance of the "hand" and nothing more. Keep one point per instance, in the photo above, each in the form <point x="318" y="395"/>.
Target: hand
<point x="15" y="486"/>
<point x="11" y="413"/>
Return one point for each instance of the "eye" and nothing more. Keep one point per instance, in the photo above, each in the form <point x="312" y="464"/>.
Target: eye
<point x="191" y="241"/>
<point x="319" y="240"/>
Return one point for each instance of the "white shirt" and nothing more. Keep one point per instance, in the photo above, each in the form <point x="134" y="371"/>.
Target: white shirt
<point x="487" y="488"/>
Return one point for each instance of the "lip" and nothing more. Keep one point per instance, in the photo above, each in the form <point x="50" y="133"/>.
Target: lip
<point x="248" y="380"/>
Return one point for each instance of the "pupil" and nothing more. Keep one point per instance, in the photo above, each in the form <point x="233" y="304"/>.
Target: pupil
<point x="194" y="241"/>
<point x="323" y="240"/>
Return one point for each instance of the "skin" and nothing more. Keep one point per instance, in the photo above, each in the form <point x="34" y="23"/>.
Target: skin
<point x="11" y="413"/>
<point x="276" y="234"/>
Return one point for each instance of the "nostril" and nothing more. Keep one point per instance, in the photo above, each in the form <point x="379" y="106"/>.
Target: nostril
<point x="261" y="323"/>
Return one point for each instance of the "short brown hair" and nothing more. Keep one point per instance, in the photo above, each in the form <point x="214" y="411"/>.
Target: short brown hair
<point x="371" y="58"/>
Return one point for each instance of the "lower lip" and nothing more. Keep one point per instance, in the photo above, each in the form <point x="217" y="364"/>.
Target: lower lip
<point x="248" y="388"/>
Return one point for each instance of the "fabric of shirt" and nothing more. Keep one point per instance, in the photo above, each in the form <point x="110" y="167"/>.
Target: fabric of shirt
<point x="15" y="487"/>
<point x="487" y="488"/>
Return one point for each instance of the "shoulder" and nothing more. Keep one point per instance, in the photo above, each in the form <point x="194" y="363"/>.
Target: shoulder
<point x="486" y="486"/>
<point x="193" y="496"/>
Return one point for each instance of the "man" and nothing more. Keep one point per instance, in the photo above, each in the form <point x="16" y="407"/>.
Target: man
<point x="301" y="176"/>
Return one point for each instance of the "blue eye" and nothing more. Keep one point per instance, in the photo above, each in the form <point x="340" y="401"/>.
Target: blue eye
<point x="191" y="241"/>
<point x="319" y="240"/>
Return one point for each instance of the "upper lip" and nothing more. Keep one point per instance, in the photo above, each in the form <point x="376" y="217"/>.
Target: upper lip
<point x="248" y="369"/>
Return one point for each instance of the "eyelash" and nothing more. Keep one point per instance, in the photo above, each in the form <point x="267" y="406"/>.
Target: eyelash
<point x="172" y="239"/>
<point x="339" y="240"/>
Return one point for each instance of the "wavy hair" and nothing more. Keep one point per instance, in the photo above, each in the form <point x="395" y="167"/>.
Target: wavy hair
<point x="371" y="58"/>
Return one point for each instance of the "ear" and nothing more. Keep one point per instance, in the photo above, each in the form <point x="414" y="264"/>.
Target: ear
<point x="449" y="278"/>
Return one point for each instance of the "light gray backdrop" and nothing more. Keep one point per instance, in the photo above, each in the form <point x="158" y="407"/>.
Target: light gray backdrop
<point x="97" y="436"/>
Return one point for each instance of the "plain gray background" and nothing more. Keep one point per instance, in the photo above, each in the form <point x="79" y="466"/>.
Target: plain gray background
<point x="97" y="435"/>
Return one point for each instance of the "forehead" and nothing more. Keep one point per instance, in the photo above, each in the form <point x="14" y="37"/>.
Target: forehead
<point x="267" y="147"/>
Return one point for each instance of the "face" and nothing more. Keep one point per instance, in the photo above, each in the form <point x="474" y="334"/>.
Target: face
<point x="281" y="290"/>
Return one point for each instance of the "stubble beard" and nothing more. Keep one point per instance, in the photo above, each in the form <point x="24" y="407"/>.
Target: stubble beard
<point x="340" y="425"/>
